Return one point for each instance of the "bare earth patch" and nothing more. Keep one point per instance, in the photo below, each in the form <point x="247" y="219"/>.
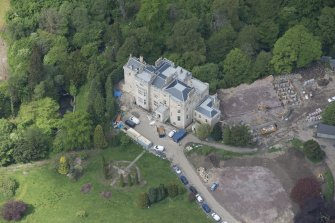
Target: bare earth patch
<point x="86" y="188"/>
<point x="253" y="194"/>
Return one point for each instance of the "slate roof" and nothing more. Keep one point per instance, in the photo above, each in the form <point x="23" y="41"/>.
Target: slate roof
<point x="326" y="129"/>
<point x="207" y="108"/>
<point x="179" y="90"/>
<point x="133" y="63"/>
<point x="159" y="81"/>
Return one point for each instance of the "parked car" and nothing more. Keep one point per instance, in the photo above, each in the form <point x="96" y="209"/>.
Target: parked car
<point x="159" y="148"/>
<point x="161" y="131"/>
<point x="172" y="133"/>
<point x="193" y="190"/>
<point x="184" y="180"/>
<point x="214" y="186"/>
<point x="206" y="208"/>
<point x="135" y="120"/>
<point x="199" y="198"/>
<point x="216" y="217"/>
<point x="179" y="135"/>
<point x="130" y="123"/>
<point x="176" y="169"/>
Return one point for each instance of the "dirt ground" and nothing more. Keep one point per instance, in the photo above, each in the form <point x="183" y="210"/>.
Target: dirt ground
<point x="257" y="188"/>
<point x="261" y="103"/>
<point x="3" y="61"/>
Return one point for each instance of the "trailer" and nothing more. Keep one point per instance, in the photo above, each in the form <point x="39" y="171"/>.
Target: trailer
<point x="132" y="133"/>
<point x="179" y="135"/>
<point x="146" y="143"/>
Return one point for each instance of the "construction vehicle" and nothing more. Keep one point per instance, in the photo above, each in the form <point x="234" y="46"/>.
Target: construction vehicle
<point x="269" y="129"/>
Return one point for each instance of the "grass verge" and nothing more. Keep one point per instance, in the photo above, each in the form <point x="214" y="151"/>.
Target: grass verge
<point x="4" y="6"/>
<point x="329" y="186"/>
<point x="224" y="154"/>
<point x="55" y="198"/>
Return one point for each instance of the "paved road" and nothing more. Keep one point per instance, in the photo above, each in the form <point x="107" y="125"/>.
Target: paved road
<point x="175" y="154"/>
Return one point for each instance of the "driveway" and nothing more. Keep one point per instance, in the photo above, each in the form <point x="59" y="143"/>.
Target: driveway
<point x="175" y="154"/>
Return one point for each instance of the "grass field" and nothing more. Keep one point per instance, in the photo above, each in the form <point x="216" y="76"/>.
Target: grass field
<point x="56" y="199"/>
<point x="224" y="154"/>
<point x="329" y="186"/>
<point x="4" y="6"/>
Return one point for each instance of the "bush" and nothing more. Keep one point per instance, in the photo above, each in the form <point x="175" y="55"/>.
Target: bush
<point x="305" y="189"/>
<point x="237" y="135"/>
<point x="124" y="140"/>
<point x="313" y="151"/>
<point x="63" y="165"/>
<point x="181" y="190"/>
<point x="143" y="200"/>
<point x="190" y="197"/>
<point x="217" y="132"/>
<point x="328" y="115"/>
<point x="81" y="214"/>
<point x="172" y="190"/>
<point x="8" y="187"/>
<point x="14" y="210"/>
<point x="203" y="131"/>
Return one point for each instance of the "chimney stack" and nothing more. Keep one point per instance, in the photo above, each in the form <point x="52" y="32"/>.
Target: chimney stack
<point x="130" y="55"/>
<point x="141" y="59"/>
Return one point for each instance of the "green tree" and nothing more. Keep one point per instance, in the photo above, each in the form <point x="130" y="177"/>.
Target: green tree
<point x="238" y="135"/>
<point x="74" y="133"/>
<point x="110" y="101"/>
<point x="248" y="40"/>
<point x="34" y="145"/>
<point x="143" y="200"/>
<point x="295" y="49"/>
<point x="153" y="14"/>
<point x="313" y="151"/>
<point x="63" y="165"/>
<point x="208" y="73"/>
<point x="268" y="33"/>
<point x="121" y="181"/>
<point x="328" y="115"/>
<point x="217" y="132"/>
<point x="262" y="66"/>
<point x="42" y="113"/>
<point x="129" y="180"/>
<point x="220" y="43"/>
<point x="8" y="187"/>
<point x="236" y="67"/>
<point x="5" y="110"/>
<point x="73" y="92"/>
<point x="203" y="131"/>
<point x="53" y="22"/>
<point x="99" y="139"/>
<point x="327" y="26"/>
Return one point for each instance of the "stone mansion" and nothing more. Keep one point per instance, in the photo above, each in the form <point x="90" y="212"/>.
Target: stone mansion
<point x="170" y="92"/>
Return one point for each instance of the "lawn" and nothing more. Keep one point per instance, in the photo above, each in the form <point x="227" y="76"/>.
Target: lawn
<point x="56" y="199"/>
<point x="329" y="186"/>
<point x="224" y="154"/>
<point x="4" y="6"/>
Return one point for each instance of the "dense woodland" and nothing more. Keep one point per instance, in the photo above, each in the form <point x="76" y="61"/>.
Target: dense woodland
<point x="57" y="46"/>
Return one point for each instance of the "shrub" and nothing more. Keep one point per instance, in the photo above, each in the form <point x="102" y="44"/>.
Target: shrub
<point x="81" y="214"/>
<point x="217" y="132"/>
<point x="14" y="210"/>
<point x="181" y="190"/>
<point x="129" y="180"/>
<point x="86" y="188"/>
<point x="305" y="189"/>
<point x="143" y="200"/>
<point x="124" y="140"/>
<point x="63" y="165"/>
<point x="237" y="135"/>
<point x="172" y="190"/>
<point x="152" y="195"/>
<point x="203" y="131"/>
<point x="190" y="197"/>
<point x="161" y="192"/>
<point x="8" y="187"/>
<point x="313" y="151"/>
<point x="136" y="180"/>
<point x="121" y="182"/>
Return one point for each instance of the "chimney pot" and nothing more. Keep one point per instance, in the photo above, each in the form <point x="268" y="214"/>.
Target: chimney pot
<point x="141" y="59"/>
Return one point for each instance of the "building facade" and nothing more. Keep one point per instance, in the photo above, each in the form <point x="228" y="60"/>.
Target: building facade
<point x="170" y="92"/>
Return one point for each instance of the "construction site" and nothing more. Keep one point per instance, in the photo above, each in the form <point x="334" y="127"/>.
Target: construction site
<point x="276" y="107"/>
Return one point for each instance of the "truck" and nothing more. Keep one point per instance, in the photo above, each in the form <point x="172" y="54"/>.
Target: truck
<point x="161" y="131"/>
<point x="179" y="135"/>
<point x="269" y="129"/>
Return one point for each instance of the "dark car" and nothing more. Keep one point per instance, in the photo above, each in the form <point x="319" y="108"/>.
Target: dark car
<point x="206" y="208"/>
<point x="130" y="123"/>
<point x="193" y="190"/>
<point x="184" y="180"/>
<point x="214" y="186"/>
